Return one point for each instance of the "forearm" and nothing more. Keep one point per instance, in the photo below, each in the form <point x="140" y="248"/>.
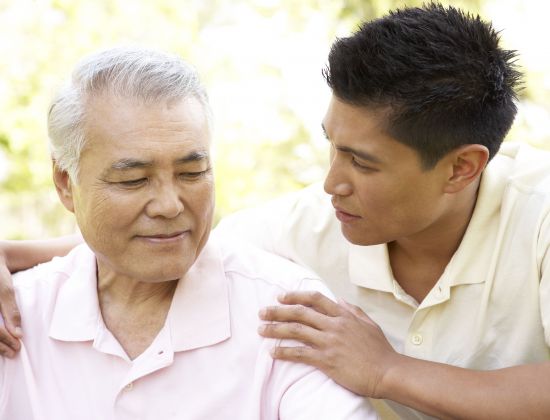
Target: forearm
<point x="449" y="392"/>
<point x="20" y="255"/>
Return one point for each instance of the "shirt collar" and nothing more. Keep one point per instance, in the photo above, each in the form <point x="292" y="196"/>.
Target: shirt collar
<point x="76" y="311"/>
<point x="199" y="314"/>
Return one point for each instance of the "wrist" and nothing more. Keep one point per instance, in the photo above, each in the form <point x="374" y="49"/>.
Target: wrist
<point x="392" y="378"/>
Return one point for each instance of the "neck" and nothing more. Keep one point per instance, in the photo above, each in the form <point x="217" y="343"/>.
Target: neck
<point x="132" y="310"/>
<point x="120" y="290"/>
<point x="418" y="261"/>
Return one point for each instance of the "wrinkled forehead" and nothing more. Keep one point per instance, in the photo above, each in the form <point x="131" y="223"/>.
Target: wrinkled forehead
<point x="121" y="127"/>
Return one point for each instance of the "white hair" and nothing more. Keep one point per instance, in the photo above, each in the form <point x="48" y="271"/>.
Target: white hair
<point x="133" y="72"/>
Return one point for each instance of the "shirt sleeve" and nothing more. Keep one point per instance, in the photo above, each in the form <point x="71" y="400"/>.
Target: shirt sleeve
<point x="315" y="396"/>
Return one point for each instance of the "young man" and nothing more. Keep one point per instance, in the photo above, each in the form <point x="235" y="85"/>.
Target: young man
<point x="446" y="252"/>
<point x="437" y="236"/>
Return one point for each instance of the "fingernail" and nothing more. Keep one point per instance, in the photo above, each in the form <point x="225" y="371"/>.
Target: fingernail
<point x="18" y="332"/>
<point x="262" y="313"/>
<point x="281" y="297"/>
<point x="261" y="329"/>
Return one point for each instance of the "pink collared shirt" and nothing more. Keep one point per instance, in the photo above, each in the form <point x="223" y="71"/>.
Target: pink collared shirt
<point x="206" y="363"/>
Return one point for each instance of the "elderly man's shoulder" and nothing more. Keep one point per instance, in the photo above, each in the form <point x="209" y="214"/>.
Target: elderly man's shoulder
<point x="246" y="263"/>
<point x="38" y="286"/>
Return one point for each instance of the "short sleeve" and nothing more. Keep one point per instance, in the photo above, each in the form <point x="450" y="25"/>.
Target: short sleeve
<point x="315" y="396"/>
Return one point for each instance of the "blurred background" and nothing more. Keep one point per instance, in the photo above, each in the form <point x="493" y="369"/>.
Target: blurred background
<point x="261" y="61"/>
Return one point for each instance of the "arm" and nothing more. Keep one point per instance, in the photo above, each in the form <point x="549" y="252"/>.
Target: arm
<point x="349" y="347"/>
<point x="16" y="256"/>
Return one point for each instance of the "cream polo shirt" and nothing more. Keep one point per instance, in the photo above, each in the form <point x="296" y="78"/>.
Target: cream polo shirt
<point x="207" y="362"/>
<point x="491" y="306"/>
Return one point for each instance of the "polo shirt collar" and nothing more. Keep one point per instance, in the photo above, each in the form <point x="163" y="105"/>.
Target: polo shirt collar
<point x="199" y="314"/>
<point x="76" y="310"/>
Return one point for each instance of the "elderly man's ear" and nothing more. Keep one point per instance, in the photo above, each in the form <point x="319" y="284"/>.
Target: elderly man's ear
<point x="63" y="186"/>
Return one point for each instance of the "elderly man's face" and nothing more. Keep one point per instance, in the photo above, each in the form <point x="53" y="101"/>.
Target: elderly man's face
<point x="145" y="195"/>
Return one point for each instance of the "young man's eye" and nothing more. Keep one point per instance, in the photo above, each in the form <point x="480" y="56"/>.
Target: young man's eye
<point x="361" y="166"/>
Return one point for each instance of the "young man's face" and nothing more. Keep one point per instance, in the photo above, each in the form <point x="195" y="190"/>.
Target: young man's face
<point x="379" y="189"/>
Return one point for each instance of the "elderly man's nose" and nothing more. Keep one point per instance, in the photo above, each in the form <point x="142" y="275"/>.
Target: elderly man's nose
<point x="166" y="202"/>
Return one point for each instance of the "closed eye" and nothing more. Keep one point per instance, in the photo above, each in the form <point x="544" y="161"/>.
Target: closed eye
<point x="362" y="167"/>
<point x="193" y="175"/>
<point x="133" y="182"/>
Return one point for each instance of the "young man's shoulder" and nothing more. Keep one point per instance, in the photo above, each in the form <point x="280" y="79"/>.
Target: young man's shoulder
<point x="526" y="168"/>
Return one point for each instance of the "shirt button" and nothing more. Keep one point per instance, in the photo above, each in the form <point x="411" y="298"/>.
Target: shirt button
<point x="416" y="339"/>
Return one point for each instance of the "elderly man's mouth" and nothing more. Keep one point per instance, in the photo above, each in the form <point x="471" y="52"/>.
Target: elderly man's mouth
<point x="165" y="238"/>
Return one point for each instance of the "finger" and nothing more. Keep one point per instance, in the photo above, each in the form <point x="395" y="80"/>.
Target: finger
<point x="299" y="354"/>
<point x="294" y="313"/>
<point x="6" y="351"/>
<point x="9" y="340"/>
<point x="9" y="311"/>
<point x="292" y="331"/>
<point x="312" y="299"/>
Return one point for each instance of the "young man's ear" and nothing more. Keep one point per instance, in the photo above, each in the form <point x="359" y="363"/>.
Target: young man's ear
<point x="467" y="162"/>
<point x="63" y="187"/>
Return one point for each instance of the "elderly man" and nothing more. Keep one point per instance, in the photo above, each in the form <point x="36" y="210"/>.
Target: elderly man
<point x="148" y="319"/>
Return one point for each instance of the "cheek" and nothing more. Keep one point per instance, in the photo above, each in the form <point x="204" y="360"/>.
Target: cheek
<point x="200" y="197"/>
<point x="103" y="213"/>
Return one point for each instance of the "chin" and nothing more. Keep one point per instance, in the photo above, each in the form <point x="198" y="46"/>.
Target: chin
<point x="162" y="273"/>
<point x="362" y="239"/>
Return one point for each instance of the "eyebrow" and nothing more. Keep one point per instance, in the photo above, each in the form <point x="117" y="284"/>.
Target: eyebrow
<point x="360" y="154"/>
<point x="127" y="164"/>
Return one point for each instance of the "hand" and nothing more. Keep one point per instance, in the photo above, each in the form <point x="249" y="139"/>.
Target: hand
<point x="10" y="329"/>
<point x="341" y="340"/>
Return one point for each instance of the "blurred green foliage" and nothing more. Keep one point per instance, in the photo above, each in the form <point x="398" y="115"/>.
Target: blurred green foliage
<point x="261" y="61"/>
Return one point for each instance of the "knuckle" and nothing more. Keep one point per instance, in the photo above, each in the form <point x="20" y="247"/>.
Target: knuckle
<point x="339" y="324"/>
<point x="6" y="292"/>
<point x="16" y="316"/>
<point x="315" y="296"/>
<point x="270" y="312"/>
<point x="295" y="328"/>
<point x="6" y="351"/>
<point x="298" y="311"/>
<point x="299" y="352"/>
